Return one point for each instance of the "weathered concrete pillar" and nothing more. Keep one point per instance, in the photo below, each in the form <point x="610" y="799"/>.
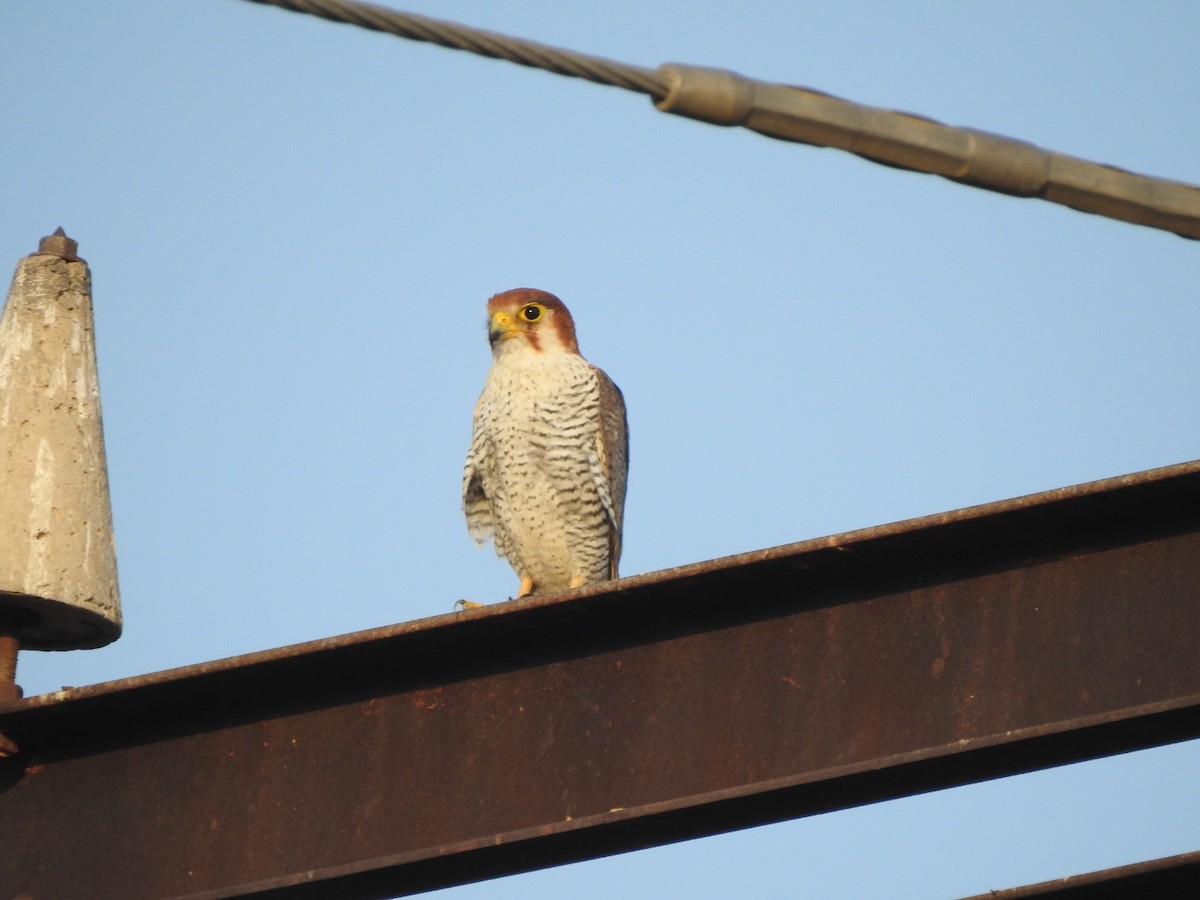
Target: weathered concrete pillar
<point x="58" y="571"/>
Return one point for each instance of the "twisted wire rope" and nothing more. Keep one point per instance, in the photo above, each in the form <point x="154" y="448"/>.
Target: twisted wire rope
<point x="485" y="43"/>
<point x="966" y="156"/>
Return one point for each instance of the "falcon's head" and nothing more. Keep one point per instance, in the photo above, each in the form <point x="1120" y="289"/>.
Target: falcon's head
<point x="530" y="318"/>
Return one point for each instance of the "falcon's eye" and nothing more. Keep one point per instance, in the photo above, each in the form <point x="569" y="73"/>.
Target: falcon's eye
<point x="531" y="313"/>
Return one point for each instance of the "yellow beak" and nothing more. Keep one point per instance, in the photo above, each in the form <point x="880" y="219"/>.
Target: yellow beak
<point x="501" y="326"/>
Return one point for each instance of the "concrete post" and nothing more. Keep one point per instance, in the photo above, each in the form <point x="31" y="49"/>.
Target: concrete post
<point x="58" y="573"/>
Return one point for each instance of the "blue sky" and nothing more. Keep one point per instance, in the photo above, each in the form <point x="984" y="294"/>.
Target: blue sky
<point x="293" y="228"/>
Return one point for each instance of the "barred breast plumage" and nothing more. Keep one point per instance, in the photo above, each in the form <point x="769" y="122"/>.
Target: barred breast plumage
<point x="545" y="475"/>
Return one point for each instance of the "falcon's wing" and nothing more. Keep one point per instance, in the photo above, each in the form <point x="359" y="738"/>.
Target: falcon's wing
<point x="478" y="508"/>
<point x="614" y="460"/>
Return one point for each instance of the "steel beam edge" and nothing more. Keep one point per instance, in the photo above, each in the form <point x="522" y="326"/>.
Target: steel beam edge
<point x="1155" y="501"/>
<point x="1168" y="878"/>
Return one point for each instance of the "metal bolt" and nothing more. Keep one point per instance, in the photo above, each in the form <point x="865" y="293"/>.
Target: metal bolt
<point x="58" y="244"/>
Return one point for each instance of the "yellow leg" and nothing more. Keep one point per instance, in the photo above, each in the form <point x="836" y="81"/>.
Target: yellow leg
<point x="578" y="581"/>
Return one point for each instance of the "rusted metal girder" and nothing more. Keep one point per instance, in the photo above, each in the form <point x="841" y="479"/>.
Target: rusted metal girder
<point x="1170" y="878"/>
<point x="782" y="683"/>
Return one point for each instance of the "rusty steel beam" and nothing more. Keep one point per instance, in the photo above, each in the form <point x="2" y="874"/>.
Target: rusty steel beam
<point x="787" y="682"/>
<point x="1169" y="878"/>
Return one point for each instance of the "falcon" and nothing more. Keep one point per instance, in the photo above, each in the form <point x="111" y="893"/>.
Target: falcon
<point x="545" y="475"/>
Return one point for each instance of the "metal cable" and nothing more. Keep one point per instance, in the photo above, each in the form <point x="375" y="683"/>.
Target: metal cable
<point x="964" y="155"/>
<point x="485" y="43"/>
